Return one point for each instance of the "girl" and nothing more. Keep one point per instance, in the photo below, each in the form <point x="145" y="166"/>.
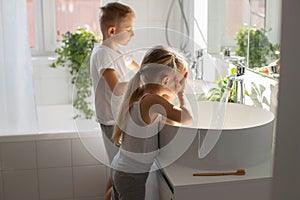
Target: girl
<point x="146" y="104"/>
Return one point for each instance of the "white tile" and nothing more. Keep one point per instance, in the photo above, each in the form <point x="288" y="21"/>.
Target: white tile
<point x="54" y="153"/>
<point x="95" y="146"/>
<point x="53" y="88"/>
<point x="1" y="187"/>
<point x="155" y="34"/>
<point x="55" y="183"/>
<point x="140" y="8"/>
<point x="20" y="184"/>
<point x="41" y="61"/>
<point x="55" y="91"/>
<point x="81" y="155"/>
<point x="36" y="71"/>
<point x="158" y="9"/>
<point x="18" y="155"/>
<point x="90" y="198"/>
<point x="140" y="23"/>
<point x="48" y="72"/>
<point x="56" y="118"/>
<point x="0" y="158"/>
<point x="89" y="181"/>
<point x="37" y="91"/>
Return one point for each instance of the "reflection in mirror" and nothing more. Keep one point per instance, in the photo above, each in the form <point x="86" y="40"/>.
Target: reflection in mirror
<point x="254" y="34"/>
<point x="246" y="34"/>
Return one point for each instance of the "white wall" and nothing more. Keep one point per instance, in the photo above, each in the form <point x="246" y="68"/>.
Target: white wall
<point x="150" y="24"/>
<point x="287" y="160"/>
<point x="51" y="85"/>
<point x="273" y="19"/>
<point x="263" y="91"/>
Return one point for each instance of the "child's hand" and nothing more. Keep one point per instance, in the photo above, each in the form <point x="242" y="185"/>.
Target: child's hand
<point x="180" y="86"/>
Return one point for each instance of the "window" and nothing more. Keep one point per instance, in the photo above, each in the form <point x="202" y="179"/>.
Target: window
<point x="48" y="19"/>
<point x="221" y="20"/>
<point x="237" y="14"/>
<point x="30" y="23"/>
<point x="240" y="13"/>
<point x="72" y="14"/>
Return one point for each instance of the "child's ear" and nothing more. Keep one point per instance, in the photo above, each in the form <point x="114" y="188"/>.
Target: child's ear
<point x="111" y="30"/>
<point x="165" y="80"/>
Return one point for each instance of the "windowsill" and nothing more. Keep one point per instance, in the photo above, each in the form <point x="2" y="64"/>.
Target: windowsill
<point x="273" y="77"/>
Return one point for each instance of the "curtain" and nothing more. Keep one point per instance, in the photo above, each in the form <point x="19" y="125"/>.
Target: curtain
<point x="17" y="103"/>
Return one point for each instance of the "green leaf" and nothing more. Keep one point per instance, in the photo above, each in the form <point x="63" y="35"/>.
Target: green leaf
<point x="74" y="54"/>
<point x="261" y="50"/>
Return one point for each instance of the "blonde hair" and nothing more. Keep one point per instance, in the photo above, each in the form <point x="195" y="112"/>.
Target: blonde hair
<point x="112" y="14"/>
<point x="158" y="62"/>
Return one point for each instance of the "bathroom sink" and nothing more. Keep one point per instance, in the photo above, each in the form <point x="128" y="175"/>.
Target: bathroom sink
<point x="242" y="137"/>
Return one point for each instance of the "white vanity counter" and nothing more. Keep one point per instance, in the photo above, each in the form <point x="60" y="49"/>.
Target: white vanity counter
<point x="246" y="141"/>
<point x="255" y="184"/>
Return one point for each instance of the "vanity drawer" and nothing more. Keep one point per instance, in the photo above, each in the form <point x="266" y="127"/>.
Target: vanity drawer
<point x="165" y="190"/>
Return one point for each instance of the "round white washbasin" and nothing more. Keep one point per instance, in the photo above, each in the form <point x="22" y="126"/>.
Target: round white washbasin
<point x="224" y="136"/>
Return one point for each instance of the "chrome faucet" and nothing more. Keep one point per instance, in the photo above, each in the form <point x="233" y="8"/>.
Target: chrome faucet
<point x="238" y="80"/>
<point x="197" y="65"/>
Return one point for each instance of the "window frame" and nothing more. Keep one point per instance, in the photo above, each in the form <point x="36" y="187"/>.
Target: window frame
<point x="45" y="28"/>
<point x="37" y="21"/>
<point x="229" y="41"/>
<point x="49" y="26"/>
<point x="216" y="37"/>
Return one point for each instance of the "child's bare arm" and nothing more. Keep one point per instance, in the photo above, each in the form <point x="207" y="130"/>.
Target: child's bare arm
<point x="118" y="88"/>
<point x="156" y="104"/>
<point x="134" y="65"/>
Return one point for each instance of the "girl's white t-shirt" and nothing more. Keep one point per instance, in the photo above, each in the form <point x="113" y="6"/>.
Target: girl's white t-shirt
<point x="106" y="103"/>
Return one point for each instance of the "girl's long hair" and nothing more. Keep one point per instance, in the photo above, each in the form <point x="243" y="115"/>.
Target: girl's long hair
<point x="158" y="62"/>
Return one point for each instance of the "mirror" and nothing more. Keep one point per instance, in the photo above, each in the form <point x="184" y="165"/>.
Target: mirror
<point x="249" y="28"/>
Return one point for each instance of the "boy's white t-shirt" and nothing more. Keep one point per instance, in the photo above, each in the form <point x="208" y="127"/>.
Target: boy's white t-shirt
<point x="107" y="104"/>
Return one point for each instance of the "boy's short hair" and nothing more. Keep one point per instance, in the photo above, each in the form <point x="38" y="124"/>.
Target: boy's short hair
<point x="112" y="14"/>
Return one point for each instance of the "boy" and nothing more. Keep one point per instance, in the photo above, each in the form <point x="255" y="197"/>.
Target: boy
<point x="110" y="68"/>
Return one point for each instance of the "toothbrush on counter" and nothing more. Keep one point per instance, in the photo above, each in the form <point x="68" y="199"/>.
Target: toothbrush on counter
<point x="237" y="172"/>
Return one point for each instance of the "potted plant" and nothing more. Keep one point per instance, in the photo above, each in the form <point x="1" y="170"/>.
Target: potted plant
<point x="216" y="93"/>
<point x="261" y="50"/>
<point x="74" y="54"/>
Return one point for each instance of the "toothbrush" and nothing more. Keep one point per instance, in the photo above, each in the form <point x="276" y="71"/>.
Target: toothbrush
<point x="237" y="172"/>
